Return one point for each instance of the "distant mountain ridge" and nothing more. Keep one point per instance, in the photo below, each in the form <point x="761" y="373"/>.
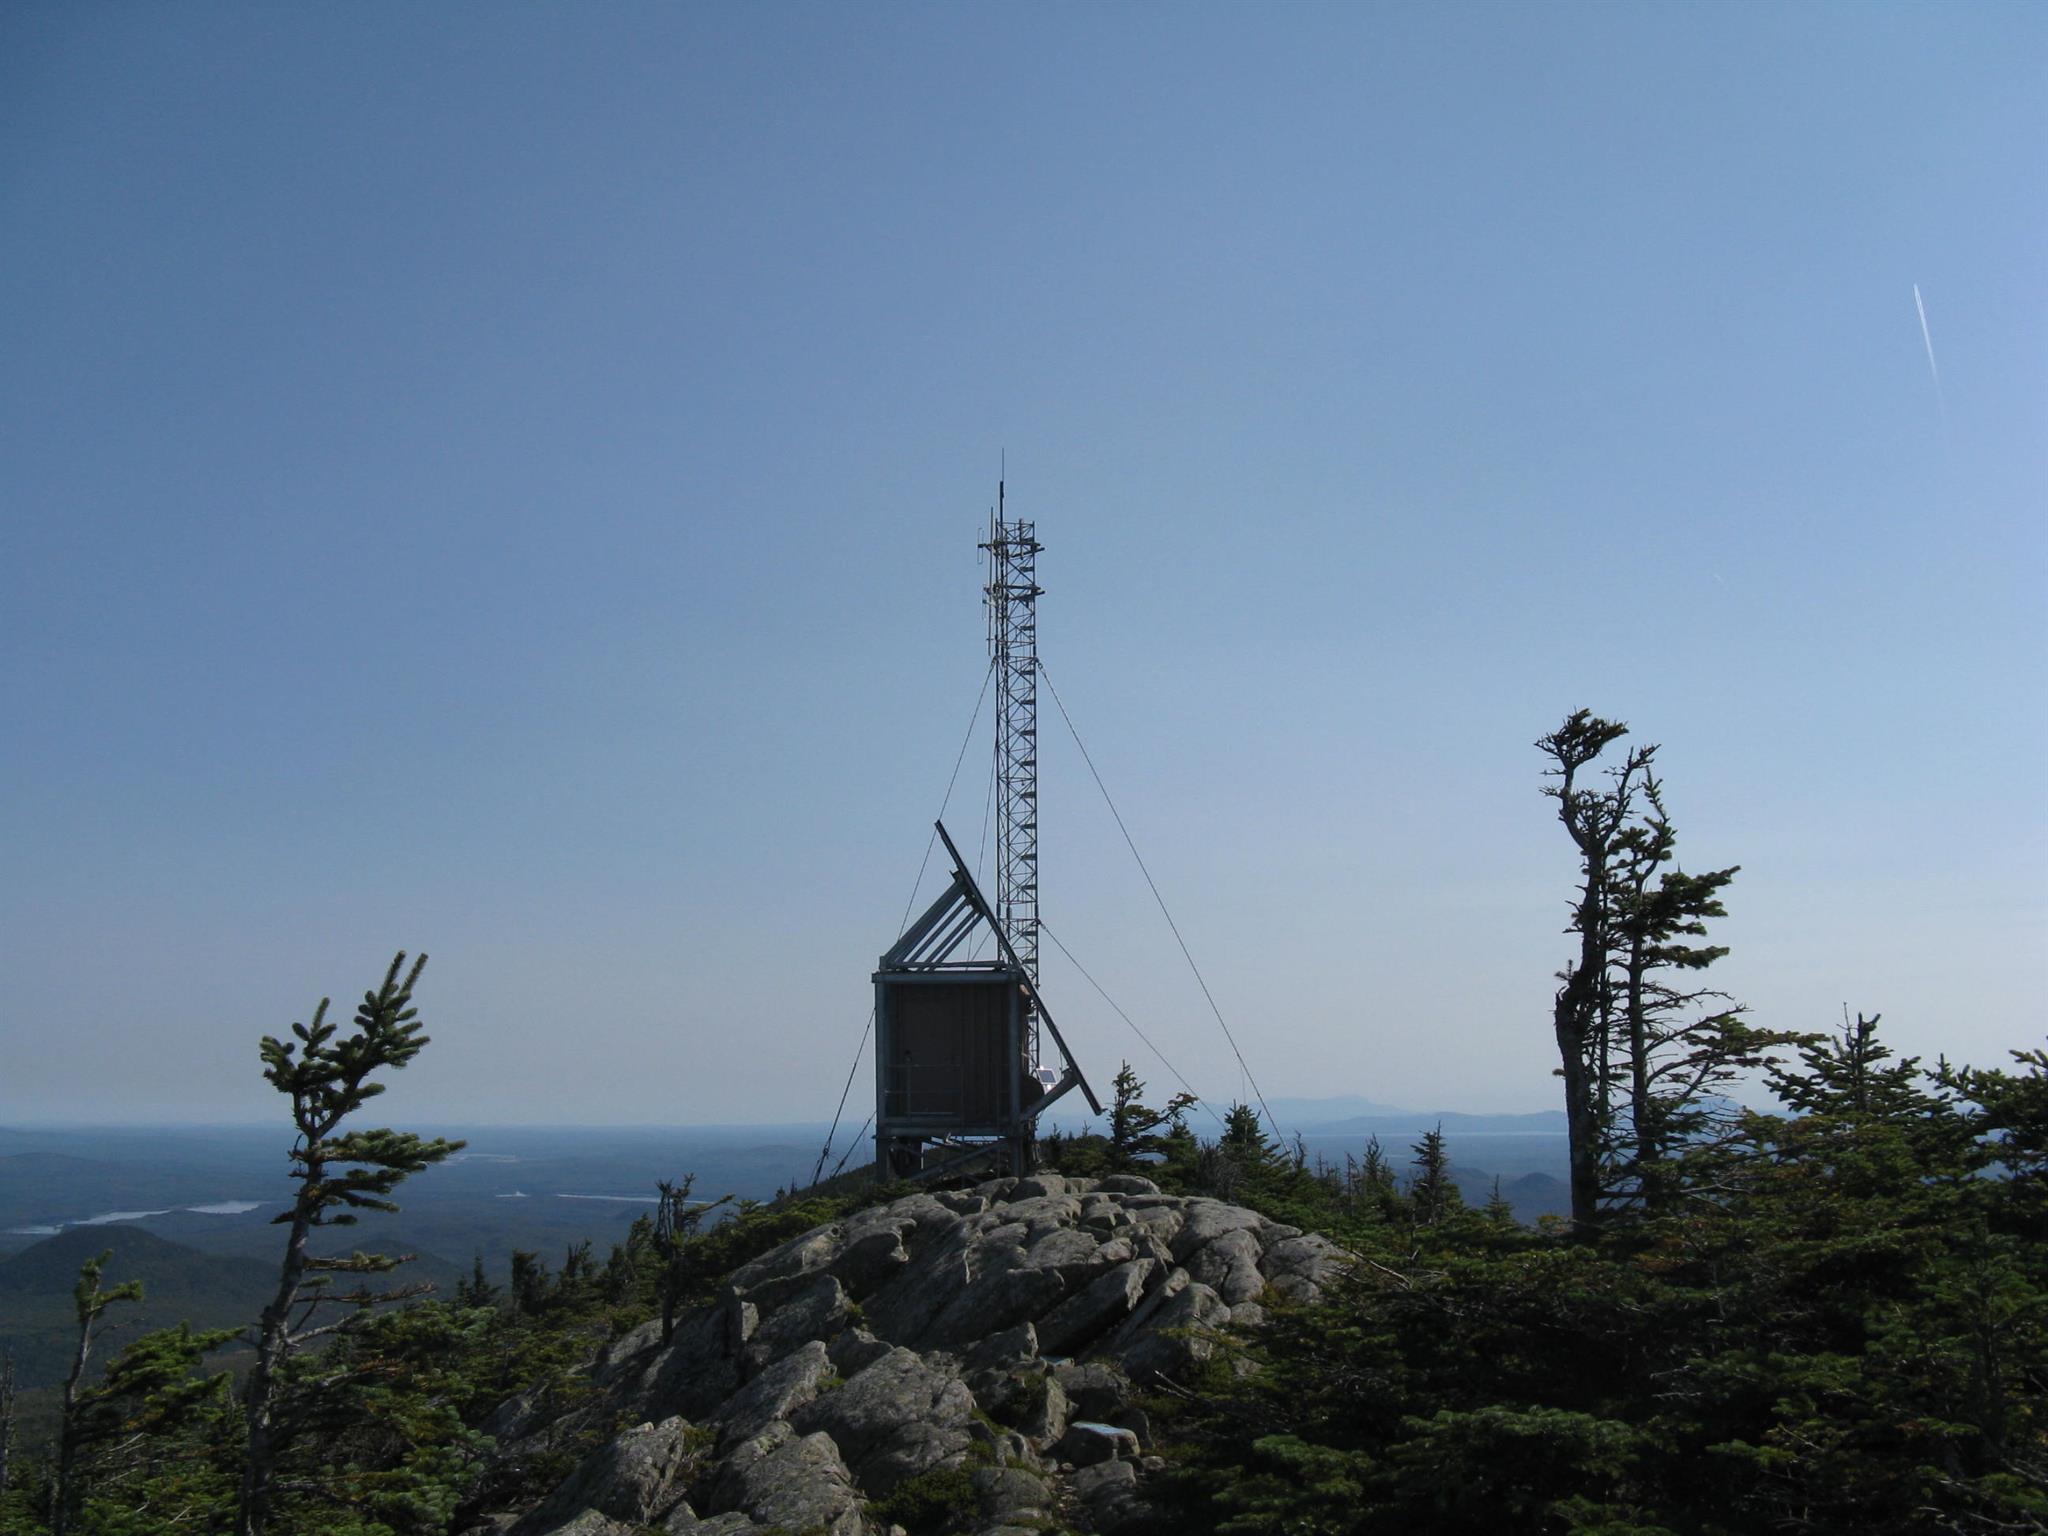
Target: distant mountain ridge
<point x="179" y="1284"/>
<point x="1343" y="1106"/>
<point x="1547" y="1122"/>
<point x="165" y="1268"/>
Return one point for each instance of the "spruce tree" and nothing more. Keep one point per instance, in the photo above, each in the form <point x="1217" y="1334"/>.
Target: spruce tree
<point x="1499" y="1209"/>
<point x="1433" y="1194"/>
<point x="477" y="1290"/>
<point x="677" y="1219"/>
<point x="1134" y="1127"/>
<point x="1646" y="1050"/>
<point x="1244" y="1136"/>
<point x="1582" y="1010"/>
<point x="89" y="1305"/>
<point x="530" y="1283"/>
<point x="339" y="1172"/>
<point x="2012" y="1124"/>
<point x="138" y="1432"/>
<point x="1679" y="1044"/>
<point x="6" y="1415"/>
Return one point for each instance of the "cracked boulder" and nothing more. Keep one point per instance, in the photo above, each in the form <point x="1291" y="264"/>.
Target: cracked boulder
<point x="995" y="1333"/>
<point x="895" y="1419"/>
<point x="798" y="1484"/>
<point x="637" y="1478"/>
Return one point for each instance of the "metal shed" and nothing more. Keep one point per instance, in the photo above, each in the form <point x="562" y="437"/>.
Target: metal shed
<point x="954" y="1079"/>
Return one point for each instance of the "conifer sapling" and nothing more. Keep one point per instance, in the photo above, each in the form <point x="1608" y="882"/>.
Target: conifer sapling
<point x="338" y="1173"/>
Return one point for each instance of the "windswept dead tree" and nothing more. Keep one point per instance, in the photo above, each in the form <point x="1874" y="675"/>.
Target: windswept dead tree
<point x="1644" y="1050"/>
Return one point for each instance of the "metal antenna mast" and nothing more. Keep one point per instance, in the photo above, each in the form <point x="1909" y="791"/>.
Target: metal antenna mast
<point x="1012" y="598"/>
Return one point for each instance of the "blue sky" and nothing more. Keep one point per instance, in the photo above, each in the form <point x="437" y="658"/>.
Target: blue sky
<point x="506" y="481"/>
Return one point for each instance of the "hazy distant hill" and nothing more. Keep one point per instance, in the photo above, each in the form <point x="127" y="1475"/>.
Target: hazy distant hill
<point x="179" y="1284"/>
<point x="168" y="1270"/>
<point x="27" y="1166"/>
<point x="1305" y="1113"/>
<point x="1404" y="1122"/>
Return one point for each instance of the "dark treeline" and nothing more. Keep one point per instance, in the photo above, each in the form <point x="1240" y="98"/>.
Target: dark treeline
<point x="1843" y="1327"/>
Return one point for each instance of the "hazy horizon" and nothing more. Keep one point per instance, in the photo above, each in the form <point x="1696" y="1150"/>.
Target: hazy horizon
<point x="455" y="1127"/>
<point x="507" y="482"/>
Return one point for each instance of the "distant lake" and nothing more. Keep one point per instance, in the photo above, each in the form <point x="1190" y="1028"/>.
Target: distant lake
<point x="243" y="1207"/>
<point x="108" y="1218"/>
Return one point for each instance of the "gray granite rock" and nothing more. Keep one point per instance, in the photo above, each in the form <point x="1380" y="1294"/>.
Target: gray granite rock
<point x="816" y="1309"/>
<point x="992" y="1302"/>
<point x="1109" y="1492"/>
<point x="1035" y="1299"/>
<point x="1126" y="1184"/>
<point x="1137" y="1421"/>
<point x="1026" y="1398"/>
<point x="813" y="1250"/>
<point x="1088" y="1441"/>
<point x="1081" y="1319"/>
<point x="799" y="1485"/>
<point x="1177" y="1338"/>
<point x="1053" y="1210"/>
<point x="1246" y="1316"/>
<point x="627" y="1354"/>
<point x="1300" y="1267"/>
<point x="1096" y="1390"/>
<point x="636" y="1478"/>
<point x="1102" y="1215"/>
<point x="1162" y="1223"/>
<point x="700" y="1368"/>
<point x="1206" y="1220"/>
<point x="1037" y="1184"/>
<point x="1141" y="1320"/>
<point x="1229" y="1265"/>
<point x="898" y="1417"/>
<point x="590" y="1523"/>
<point x="774" y="1394"/>
<point x="855" y="1350"/>
<point x="1045" y="1416"/>
<point x="904" y="1307"/>
<point x="1075" y="1253"/>
<point x="873" y="1248"/>
<point x="1010" y="1495"/>
<point x="516" y="1417"/>
<point x="1010" y="1346"/>
<point x="733" y="1524"/>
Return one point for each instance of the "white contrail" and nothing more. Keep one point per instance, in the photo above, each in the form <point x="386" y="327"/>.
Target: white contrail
<point x="1927" y="337"/>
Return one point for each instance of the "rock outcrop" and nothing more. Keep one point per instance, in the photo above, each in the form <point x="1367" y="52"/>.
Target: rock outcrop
<point x="980" y="1347"/>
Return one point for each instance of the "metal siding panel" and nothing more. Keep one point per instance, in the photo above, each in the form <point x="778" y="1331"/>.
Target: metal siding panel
<point x="942" y="1052"/>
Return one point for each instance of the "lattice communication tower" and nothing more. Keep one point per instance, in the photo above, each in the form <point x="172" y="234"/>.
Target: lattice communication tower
<point x="1012" y="600"/>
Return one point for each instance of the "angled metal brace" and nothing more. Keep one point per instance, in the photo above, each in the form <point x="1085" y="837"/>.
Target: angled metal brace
<point x="965" y="882"/>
